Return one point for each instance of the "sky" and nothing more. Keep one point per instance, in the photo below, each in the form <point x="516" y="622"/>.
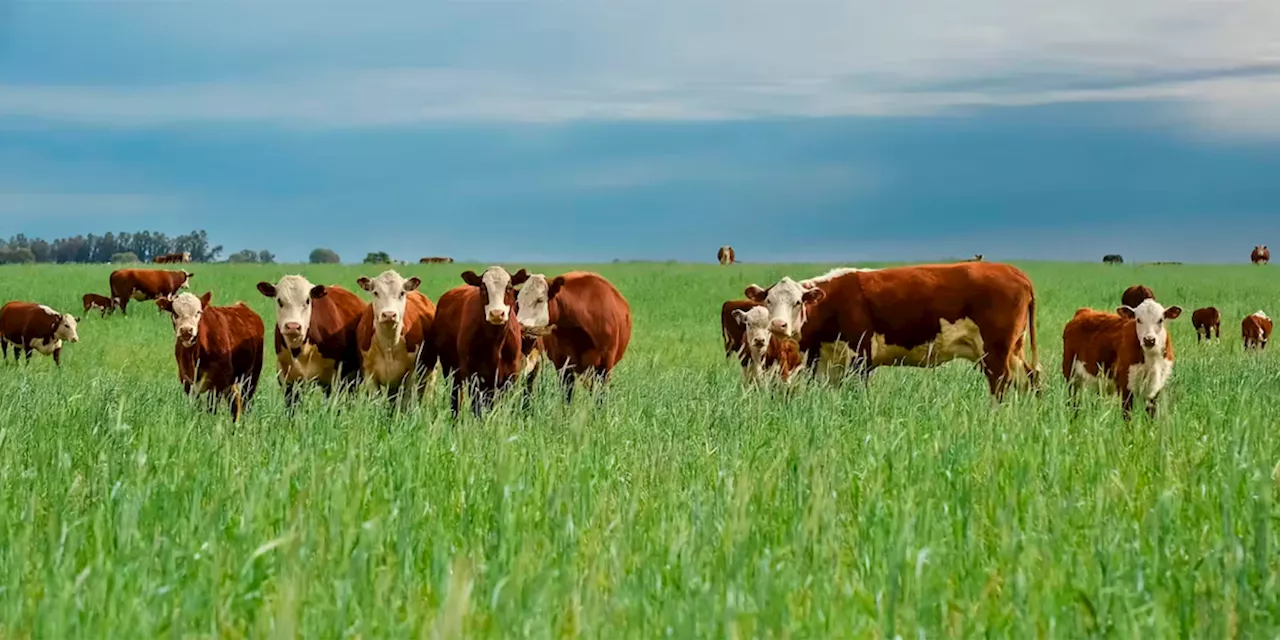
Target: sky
<point x="592" y="130"/>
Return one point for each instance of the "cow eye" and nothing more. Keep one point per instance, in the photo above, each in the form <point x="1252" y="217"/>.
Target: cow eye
<point x="280" y="303"/>
<point x="402" y="295"/>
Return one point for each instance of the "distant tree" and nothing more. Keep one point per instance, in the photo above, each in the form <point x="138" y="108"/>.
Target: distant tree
<point x="20" y="255"/>
<point x="242" y="257"/>
<point x="379" y="257"/>
<point x="124" y="257"/>
<point x="325" y="256"/>
<point x="266" y="257"/>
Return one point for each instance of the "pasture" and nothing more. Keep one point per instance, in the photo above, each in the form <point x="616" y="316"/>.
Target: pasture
<point x="683" y="506"/>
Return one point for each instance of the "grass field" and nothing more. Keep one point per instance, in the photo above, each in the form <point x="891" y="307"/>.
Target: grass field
<point x="682" y="507"/>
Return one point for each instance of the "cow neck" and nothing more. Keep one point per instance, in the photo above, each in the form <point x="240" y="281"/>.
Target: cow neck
<point x="388" y="337"/>
<point x="822" y="323"/>
<point x="189" y="357"/>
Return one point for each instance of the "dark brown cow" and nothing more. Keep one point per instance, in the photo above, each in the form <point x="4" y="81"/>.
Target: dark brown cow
<point x="173" y="258"/>
<point x="725" y="255"/>
<point x="915" y="316"/>
<point x="762" y="354"/>
<point x="436" y="260"/>
<point x="315" y="335"/>
<point x="35" y="327"/>
<point x="1261" y="254"/>
<point x="730" y="329"/>
<point x="94" y="301"/>
<point x="477" y="337"/>
<point x="1133" y="296"/>
<point x="392" y="332"/>
<point x="1256" y="330"/>
<point x="218" y="350"/>
<point x="1133" y="349"/>
<point x="145" y="284"/>
<point x="583" y="320"/>
<point x="1207" y="321"/>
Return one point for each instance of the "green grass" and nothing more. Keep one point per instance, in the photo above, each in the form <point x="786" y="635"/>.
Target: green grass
<point x="684" y="506"/>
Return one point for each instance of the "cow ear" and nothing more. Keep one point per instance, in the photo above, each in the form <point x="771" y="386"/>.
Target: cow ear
<point x="319" y="291"/>
<point x="814" y="295"/>
<point x="365" y="283"/>
<point x="755" y="293"/>
<point x="1124" y="312"/>
<point x="472" y="279"/>
<point x="412" y="284"/>
<point x="206" y="299"/>
<point x="267" y="289"/>
<point x="189" y="274"/>
<point x="519" y="278"/>
<point x="740" y="316"/>
<point x="556" y="285"/>
<point x="164" y="304"/>
<point x="1172" y="312"/>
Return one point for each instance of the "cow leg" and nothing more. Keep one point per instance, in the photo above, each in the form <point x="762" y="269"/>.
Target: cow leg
<point x="123" y="303"/>
<point x="570" y="381"/>
<point x="57" y="357"/>
<point x="1151" y="407"/>
<point x="996" y="364"/>
<point x="4" y="345"/>
<point x="455" y="395"/>
<point x="290" y="395"/>
<point x="27" y="348"/>
<point x="1126" y="401"/>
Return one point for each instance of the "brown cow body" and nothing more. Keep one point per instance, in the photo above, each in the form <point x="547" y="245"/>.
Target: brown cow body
<point x="145" y="284"/>
<point x="476" y="336"/>
<point x="583" y="320"/>
<point x="218" y="350"/>
<point x="173" y="258"/>
<point x="725" y="255"/>
<point x="1207" y="323"/>
<point x="35" y="328"/>
<point x="1256" y="330"/>
<point x="392" y="332"/>
<point x="94" y="301"/>
<point x="435" y="260"/>
<point x="315" y="335"/>
<point x="1260" y="255"/>
<point x="1105" y="348"/>
<point x="1133" y="296"/>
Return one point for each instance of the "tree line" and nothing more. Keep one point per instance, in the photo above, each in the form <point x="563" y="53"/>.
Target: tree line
<point x="143" y="246"/>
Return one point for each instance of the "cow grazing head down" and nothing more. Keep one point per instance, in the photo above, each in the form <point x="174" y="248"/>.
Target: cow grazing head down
<point x="498" y="290"/>
<point x="67" y="326"/>
<point x="533" y="304"/>
<point x="1150" y="317"/>
<point x="186" y="310"/>
<point x="757" y="335"/>
<point x="786" y="302"/>
<point x="390" y="293"/>
<point x="293" y="296"/>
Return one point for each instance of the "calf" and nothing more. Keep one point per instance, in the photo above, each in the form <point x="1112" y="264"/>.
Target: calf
<point x="145" y="284"/>
<point x="1256" y="330"/>
<point x="476" y="335"/>
<point x="35" y="327"/>
<point x="762" y="354"/>
<point x="1133" y="296"/>
<point x="1207" y="321"/>
<point x="1130" y="348"/>
<point x="94" y="301"/>
<point x="1260" y="254"/>
<point x="730" y="329"/>
<point x="725" y="255"/>
<point x="218" y="349"/>
<point x="315" y="335"/>
<point x="392" y="332"/>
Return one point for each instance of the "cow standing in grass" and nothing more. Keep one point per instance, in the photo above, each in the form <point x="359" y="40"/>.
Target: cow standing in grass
<point x="218" y="350"/>
<point x="1131" y="349"/>
<point x="392" y="332"/>
<point x="146" y="284"/>
<point x="764" y="356"/>
<point x="1256" y="330"/>
<point x="315" y="336"/>
<point x="35" y="328"/>
<point x="1207" y="321"/>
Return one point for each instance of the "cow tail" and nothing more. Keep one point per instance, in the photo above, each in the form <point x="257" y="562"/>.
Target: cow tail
<point x="1031" y="329"/>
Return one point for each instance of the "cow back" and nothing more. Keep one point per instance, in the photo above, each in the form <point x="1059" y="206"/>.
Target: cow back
<point x="590" y="305"/>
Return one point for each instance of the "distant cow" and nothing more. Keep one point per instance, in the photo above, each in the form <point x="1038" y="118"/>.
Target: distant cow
<point x="1133" y="349"/>
<point x="915" y="316"/>
<point x="392" y="331"/>
<point x="173" y="258"/>
<point x="1256" y="330"/>
<point x="583" y="320"/>
<point x="315" y="335"/>
<point x="1207" y="321"/>
<point x="94" y="301"/>
<point x="145" y="284"/>
<point x="1133" y="296"/>
<point x="477" y="336"/>
<point x="764" y="355"/>
<point x="977" y="257"/>
<point x="218" y="350"/>
<point x="731" y="330"/>
<point x="1113" y="258"/>
<point x="435" y="260"/>
<point x="35" y="327"/>
<point x="725" y="255"/>
<point x="1261" y="254"/>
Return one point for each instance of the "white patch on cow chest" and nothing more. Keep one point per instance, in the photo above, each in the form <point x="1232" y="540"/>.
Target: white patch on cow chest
<point x="388" y="365"/>
<point x="531" y="362"/>
<point x="1082" y="379"/>
<point x="46" y="346"/>
<point x="961" y="339"/>
<point x="309" y="365"/>
<point x="1147" y="379"/>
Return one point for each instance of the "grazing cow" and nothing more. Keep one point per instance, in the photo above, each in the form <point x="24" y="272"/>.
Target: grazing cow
<point x="1256" y="330"/>
<point x="915" y="316"/>
<point x="1113" y="258"/>
<point x="315" y="336"/>
<point x="731" y="330"/>
<point x="477" y="336"/>
<point x="94" y="301"/>
<point x="1207" y="323"/>
<point x="146" y="284"/>
<point x="725" y="255"/>
<point x="1133" y="349"/>
<point x="218" y="350"/>
<point x="435" y="260"/>
<point x="583" y="320"/>
<point x="1133" y="296"/>
<point x="170" y="258"/>
<point x="762" y="354"/>
<point x="35" y="327"/>
<point x="1261" y="254"/>
<point x="392" y="332"/>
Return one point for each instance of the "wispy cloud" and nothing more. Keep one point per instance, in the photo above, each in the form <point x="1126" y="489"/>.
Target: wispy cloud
<point x="21" y="207"/>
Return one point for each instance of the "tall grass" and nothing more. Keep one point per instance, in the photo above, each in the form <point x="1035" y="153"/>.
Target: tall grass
<point x="682" y="506"/>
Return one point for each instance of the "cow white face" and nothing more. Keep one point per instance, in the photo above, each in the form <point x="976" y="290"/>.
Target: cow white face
<point x="757" y="334"/>
<point x="186" y="310"/>
<point x="186" y="282"/>
<point x="497" y="288"/>
<point x="293" y="296"/>
<point x="1150" y="317"/>
<point x="533" y="304"/>
<point x="786" y="303"/>
<point x="390" y="295"/>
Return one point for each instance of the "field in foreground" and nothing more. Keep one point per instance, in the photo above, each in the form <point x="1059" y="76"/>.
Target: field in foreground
<point x="684" y="506"/>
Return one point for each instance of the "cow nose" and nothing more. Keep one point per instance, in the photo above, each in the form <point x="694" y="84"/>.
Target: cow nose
<point x="759" y="344"/>
<point x="496" y="316"/>
<point x="293" y="327"/>
<point x="388" y="316"/>
<point x="1148" y="342"/>
<point x="779" y="325"/>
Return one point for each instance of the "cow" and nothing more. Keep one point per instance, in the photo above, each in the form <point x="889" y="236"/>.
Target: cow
<point x="435" y="260"/>
<point x="218" y="350"/>
<point x="391" y="334"/>
<point x="1113" y="258"/>
<point x="146" y="284"/>
<point x="95" y="301"/>
<point x="763" y="355"/>
<point x="315" y="335"/>
<point x="476" y="336"/>
<point x="725" y="255"/>
<point x="1256" y="330"/>
<point x="169" y="258"/>
<point x="731" y="330"/>
<point x="1133" y="296"/>
<point x="1206" y="321"/>
<point x="1130" y="348"/>
<point x="35" y="327"/>
<point x="915" y="316"/>
<point x="583" y="320"/>
<point x="1261" y="254"/>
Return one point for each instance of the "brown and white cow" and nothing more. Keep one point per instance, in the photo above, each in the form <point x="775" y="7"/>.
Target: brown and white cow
<point x="731" y="330"/>
<point x="583" y="320"/>
<point x="1260" y="255"/>
<point x="392" y="332"/>
<point x="315" y="335"/>
<point x="218" y="350"/>
<point x="1207" y="323"/>
<point x="1130" y="352"/>
<point x="764" y="356"/>
<point x="95" y="301"/>
<point x="915" y="316"/>
<point x="476" y="335"/>
<point x="1256" y="330"/>
<point x="171" y="258"/>
<point x="725" y="255"/>
<point x="35" y="328"/>
<point x="146" y="284"/>
<point x="1134" y="295"/>
<point x="435" y="260"/>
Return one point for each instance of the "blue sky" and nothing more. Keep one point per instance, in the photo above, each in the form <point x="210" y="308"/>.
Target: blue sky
<point x="582" y="130"/>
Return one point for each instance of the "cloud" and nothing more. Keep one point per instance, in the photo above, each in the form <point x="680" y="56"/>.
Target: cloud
<point x="19" y="206"/>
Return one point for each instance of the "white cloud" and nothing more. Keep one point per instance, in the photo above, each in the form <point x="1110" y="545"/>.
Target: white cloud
<point x="16" y="205"/>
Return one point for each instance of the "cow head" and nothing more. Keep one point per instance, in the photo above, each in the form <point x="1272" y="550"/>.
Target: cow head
<point x="390" y="294"/>
<point x="786" y="302"/>
<point x="1149" y="323"/>
<point x="186" y="311"/>
<point x="756" y="322"/>
<point x="186" y="279"/>
<point x="533" y="304"/>
<point x="293" y="296"/>
<point x="498" y="290"/>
